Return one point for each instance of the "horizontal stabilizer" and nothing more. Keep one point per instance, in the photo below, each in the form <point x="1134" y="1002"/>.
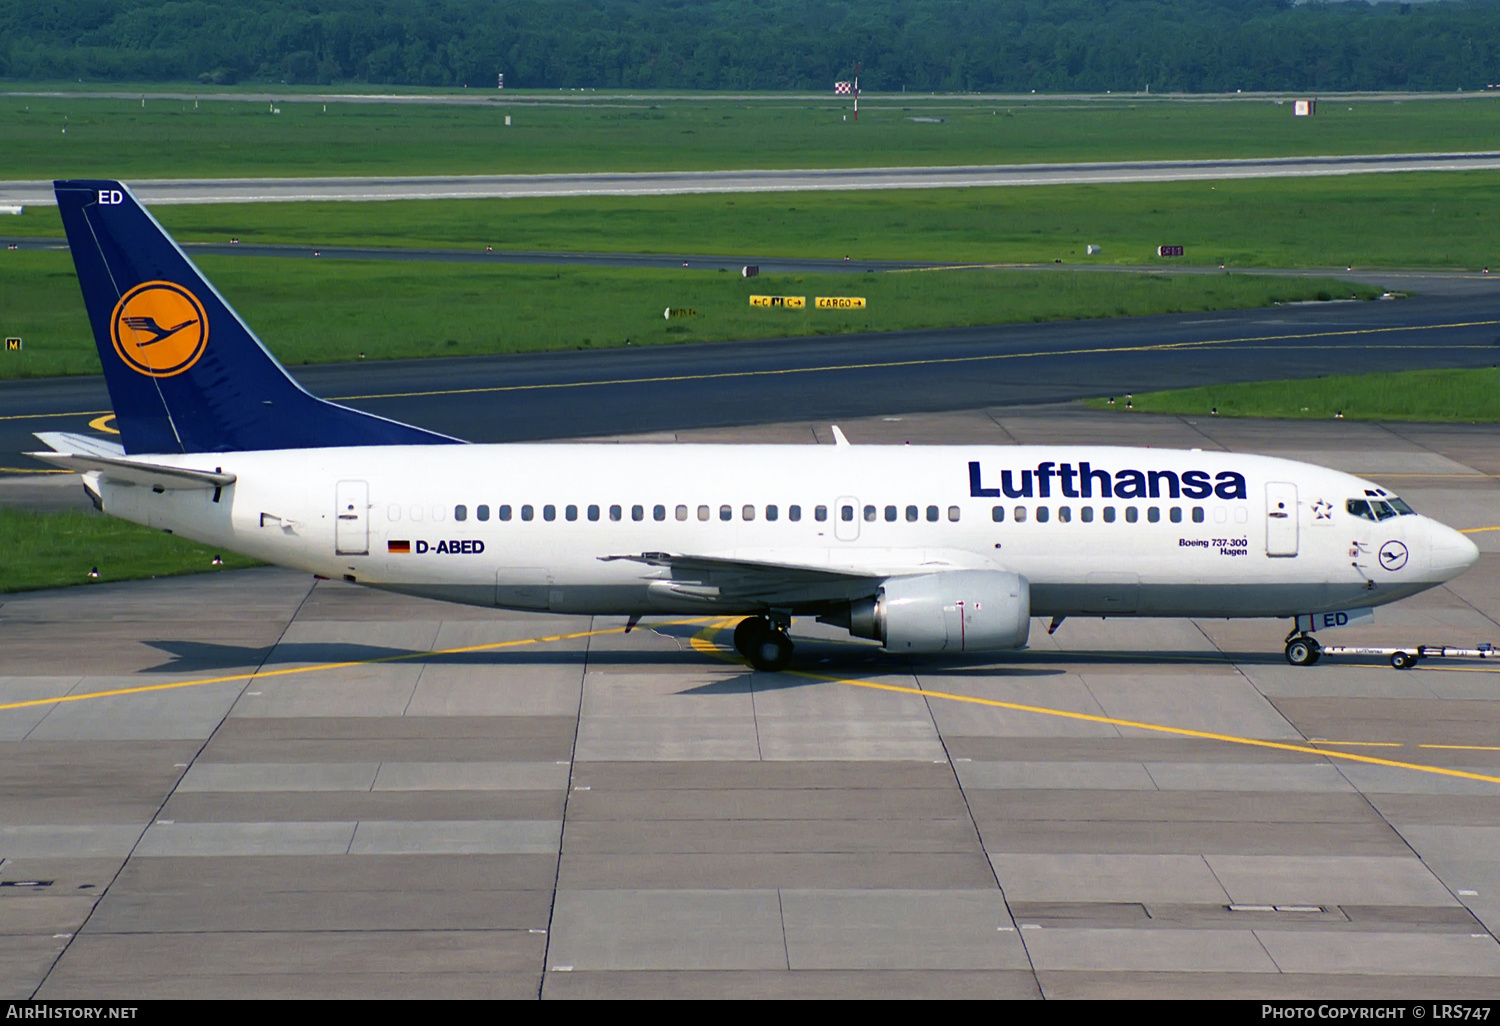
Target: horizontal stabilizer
<point x="80" y="445"/>
<point x="125" y="469"/>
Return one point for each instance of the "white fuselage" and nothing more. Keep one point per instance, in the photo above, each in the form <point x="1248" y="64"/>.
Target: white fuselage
<point x="532" y="526"/>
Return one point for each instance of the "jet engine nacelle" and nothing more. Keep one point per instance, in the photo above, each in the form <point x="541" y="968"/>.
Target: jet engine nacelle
<point x="957" y="611"/>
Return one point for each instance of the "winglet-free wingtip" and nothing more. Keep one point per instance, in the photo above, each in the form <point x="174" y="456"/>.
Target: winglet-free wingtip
<point x="838" y="436"/>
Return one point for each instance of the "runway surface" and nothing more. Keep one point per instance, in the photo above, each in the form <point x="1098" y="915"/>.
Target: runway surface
<point x="1431" y="283"/>
<point x="666" y="183"/>
<point x="252" y="784"/>
<point x="669" y="388"/>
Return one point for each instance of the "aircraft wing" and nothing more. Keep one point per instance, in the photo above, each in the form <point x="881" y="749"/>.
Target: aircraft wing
<point x="714" y="578"/>
<point x="83" y="454"/>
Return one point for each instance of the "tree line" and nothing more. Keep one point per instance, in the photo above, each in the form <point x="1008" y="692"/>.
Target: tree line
<point x="920" y="45"/>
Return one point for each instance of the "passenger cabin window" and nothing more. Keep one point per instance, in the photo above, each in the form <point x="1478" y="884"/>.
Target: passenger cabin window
<point x="846" y="514"/>
<point x="1153" y="514"/>
<point x="794" y="513"/>
<point x="1086" y="514"/>
<point x="483" y="513"/>
<point x="932" y="514"/>
<point x="703" y="512"/>
<point x="1132" y="514"/>
<point x="682" y="512"/>
<point x="549" y="512"/>
<point x="658" y="512"/>
<point x="1043" y="514"/>
<point x="726" y="512"/>
<point x="570" y="512"/>
<point x="1175" y="514"/>
<point x="771" y="513"/>
<point x="593" y="512"/>
<point x="747" y="513"/>
<point x="869" y="514"/>
<point x="953" y="513"/>
<point x="527" y="513"/>
<point x="393" y="513"/>
<point x="912" y="514"/>
<point x="460" y="512"/>
<point x="1064" y="515"/>
<point x="615" y="513"/>
<point x="637" y="513"/>
<point x="820" y="513"/>
<point x="997" y="514"/>
<point x="1197" y="514"/>
<point x="1020" y="514"/>
<point x="890" y="514"/>
<point x="1109" y="514"/>
<point x="416" y="513"/>
<point x="504" y="513"/>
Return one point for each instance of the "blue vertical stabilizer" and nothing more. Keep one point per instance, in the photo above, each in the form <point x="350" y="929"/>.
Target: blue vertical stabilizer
<point x="185" y="374"/>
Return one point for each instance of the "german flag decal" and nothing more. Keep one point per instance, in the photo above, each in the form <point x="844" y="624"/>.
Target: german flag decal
<point x="403" y="547"/>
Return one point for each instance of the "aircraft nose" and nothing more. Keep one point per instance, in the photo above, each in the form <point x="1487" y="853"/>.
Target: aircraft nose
<point x="1452" y="552"/>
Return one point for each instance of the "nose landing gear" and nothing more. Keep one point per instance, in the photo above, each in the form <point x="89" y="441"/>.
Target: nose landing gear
<point x="1302" y="650"/>
<point x="764" y="643"/>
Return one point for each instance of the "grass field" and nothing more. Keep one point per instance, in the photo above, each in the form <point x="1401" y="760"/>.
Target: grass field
<point x="120" y="138"/>
<point x="1385" y="220"/>
<point x="52" y="550"/>
<point x="1469" y="395"/>
<point x="331" y="311"/>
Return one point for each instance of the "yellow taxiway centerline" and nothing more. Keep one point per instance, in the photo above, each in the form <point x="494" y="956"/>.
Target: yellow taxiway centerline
<point x="705" y="643"/>
<point x="320" y="667"/>
<point x="1249" y="343"/>
<point x="708" y="646"/>
<point x="944" y="360"/>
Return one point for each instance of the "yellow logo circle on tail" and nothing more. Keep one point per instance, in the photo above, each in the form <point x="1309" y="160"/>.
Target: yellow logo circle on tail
<point x="159" y="329"/>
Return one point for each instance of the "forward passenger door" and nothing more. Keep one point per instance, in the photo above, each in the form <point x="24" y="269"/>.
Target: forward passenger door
<point x="1281" y="519"/>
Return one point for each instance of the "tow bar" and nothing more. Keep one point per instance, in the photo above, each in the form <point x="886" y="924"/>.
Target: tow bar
<point x="1406" y="657"/>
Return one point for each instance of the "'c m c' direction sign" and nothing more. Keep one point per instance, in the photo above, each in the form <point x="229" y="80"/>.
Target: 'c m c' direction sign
<point x="790" y="302"/>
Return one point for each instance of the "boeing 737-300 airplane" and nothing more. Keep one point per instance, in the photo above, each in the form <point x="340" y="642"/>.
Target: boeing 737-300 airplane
<point x="924" y="549"/>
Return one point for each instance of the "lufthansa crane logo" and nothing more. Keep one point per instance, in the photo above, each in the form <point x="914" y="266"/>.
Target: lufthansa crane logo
<point x="1392" y="555"/>
<point x="159" y="329"/>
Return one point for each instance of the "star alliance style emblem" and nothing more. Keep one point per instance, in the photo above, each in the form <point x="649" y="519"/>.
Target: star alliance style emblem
<point x="1322" y="510"/>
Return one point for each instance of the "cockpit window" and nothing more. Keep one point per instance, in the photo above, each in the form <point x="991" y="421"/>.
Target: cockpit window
<point x="1359" y="508"/>
<point x="1382" y="509"/>
<point x="1401" y="507"/>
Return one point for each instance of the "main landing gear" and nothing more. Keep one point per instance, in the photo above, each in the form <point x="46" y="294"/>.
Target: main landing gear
<point x="764" y="643"/>
<point x="1302" y="649"/>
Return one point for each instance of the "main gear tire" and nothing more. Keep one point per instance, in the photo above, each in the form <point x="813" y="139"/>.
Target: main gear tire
<point x="1302" y="651"/>
<point x="747" y="632"/>
<point x="771" y="652"/>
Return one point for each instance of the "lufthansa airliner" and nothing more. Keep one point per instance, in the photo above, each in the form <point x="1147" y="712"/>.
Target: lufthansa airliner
<point x="925" y="549"/>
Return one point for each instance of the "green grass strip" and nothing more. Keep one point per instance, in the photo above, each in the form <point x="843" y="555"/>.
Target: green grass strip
<point x="1379" y="220"/>
<point x="1465" y="395"/>
<point x="53" y="550"/>
<point x="328" y="311"/>
<point x="70" y="137"/>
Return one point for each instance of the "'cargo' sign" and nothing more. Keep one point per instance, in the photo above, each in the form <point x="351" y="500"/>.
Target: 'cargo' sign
<point x="839" y="302"/>
<point x="793" y="302"/>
